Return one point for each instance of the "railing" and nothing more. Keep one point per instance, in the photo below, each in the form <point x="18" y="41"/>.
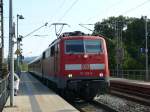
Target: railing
<point x="4" y="92"/>
<point x="130" y="74"/>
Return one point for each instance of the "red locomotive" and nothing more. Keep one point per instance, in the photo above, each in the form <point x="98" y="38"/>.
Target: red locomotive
<point x="75" y="63"/>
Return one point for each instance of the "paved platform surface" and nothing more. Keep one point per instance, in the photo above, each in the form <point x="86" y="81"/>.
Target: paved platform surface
<point x="35" y="97"/>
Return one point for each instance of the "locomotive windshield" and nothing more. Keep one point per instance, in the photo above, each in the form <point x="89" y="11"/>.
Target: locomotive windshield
<point x="92" y="46"/>
<point x="74" y="46"/>
<point x="83" y="46"/>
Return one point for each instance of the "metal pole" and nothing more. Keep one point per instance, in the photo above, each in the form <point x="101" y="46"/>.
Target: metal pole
<point x="116" y="34"/>
<point x="2" y="31"/>
<point x="1" y="38"/>
<point x="146" y="49"/>
<point x="17" y="47"/>
<point x="11" y="60"/>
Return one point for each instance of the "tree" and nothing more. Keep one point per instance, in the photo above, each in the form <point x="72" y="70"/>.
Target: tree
<point x="133" y="38"/>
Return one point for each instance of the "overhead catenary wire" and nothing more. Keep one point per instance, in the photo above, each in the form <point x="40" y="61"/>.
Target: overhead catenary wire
<point x="37" y="35"/>
<point x="57" y="10"/>
<point x="69" y="9"/>
<point x="83" y="25"/>
<point x="62" y="4"/>
<point x="129" y="10"/>
<point x="138" y="6"/>
<point x="64" y="14"/>
<point x="107" y="8"/>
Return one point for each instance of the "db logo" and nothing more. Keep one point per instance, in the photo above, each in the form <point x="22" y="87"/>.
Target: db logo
<point x="85" y="66"/>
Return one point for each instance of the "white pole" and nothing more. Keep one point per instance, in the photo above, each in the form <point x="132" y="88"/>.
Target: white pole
<point x="11" y="60"/>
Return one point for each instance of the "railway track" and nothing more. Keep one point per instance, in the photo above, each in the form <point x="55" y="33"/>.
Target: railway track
<point x="83" y="106"/>
<point x="135" y="92"/>
<point x="92" y="106"/>
<point x="108" y="103"/>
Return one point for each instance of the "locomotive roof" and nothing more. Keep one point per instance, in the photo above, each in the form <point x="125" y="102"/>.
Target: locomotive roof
<point x="74" y="34"/>
<point x="78" y="34"/>
<point x="68" y="34"/>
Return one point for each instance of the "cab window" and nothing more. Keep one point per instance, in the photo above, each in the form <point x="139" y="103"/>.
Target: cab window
<point x="74" y="46"/>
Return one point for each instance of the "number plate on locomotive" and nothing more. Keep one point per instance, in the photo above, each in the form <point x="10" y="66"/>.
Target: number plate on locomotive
<point x="85" y="66"/>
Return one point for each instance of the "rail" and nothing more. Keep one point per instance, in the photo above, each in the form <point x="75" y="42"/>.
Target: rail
<point x="136" y="92"/>
<point x="130" y="74"/>
<point x="92" y="106"/>
<point x="4" y="92"/>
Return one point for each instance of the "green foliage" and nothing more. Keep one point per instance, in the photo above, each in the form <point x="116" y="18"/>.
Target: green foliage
<point x="133" y="38"/>
<point x="24" y="67"/>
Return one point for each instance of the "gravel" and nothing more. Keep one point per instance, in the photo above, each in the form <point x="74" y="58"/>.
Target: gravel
<point x="121" y="104"/>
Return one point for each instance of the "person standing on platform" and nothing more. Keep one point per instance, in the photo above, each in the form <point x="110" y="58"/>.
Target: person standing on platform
<point x="16" y="84"/>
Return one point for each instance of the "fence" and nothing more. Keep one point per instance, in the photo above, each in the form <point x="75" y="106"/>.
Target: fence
<point x="130" y="74"/>
<point x="4" y="92"/>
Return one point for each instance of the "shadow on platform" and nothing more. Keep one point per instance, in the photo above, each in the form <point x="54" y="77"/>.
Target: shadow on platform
<point x="29" y="85"/>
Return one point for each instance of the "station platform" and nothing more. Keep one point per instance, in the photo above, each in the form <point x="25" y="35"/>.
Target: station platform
<point x="35" y="97"/>
<point x="145" y="84"/>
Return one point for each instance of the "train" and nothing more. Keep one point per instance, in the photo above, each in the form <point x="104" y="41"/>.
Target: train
<point x="76" y="64"/>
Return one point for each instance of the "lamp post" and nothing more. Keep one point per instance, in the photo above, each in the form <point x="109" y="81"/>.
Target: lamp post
<point x="18" y="43"/>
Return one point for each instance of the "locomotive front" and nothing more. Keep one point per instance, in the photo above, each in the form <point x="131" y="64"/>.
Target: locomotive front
<point x="84" y="65"/>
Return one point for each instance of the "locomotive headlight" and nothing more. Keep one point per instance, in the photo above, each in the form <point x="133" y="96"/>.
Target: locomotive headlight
<point x="101" y="74"/>
<point x="85" y="56"/>
<point x="70" y="75"/>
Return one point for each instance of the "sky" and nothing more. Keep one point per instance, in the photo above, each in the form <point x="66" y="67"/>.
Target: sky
<point x="73" y="12"/>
